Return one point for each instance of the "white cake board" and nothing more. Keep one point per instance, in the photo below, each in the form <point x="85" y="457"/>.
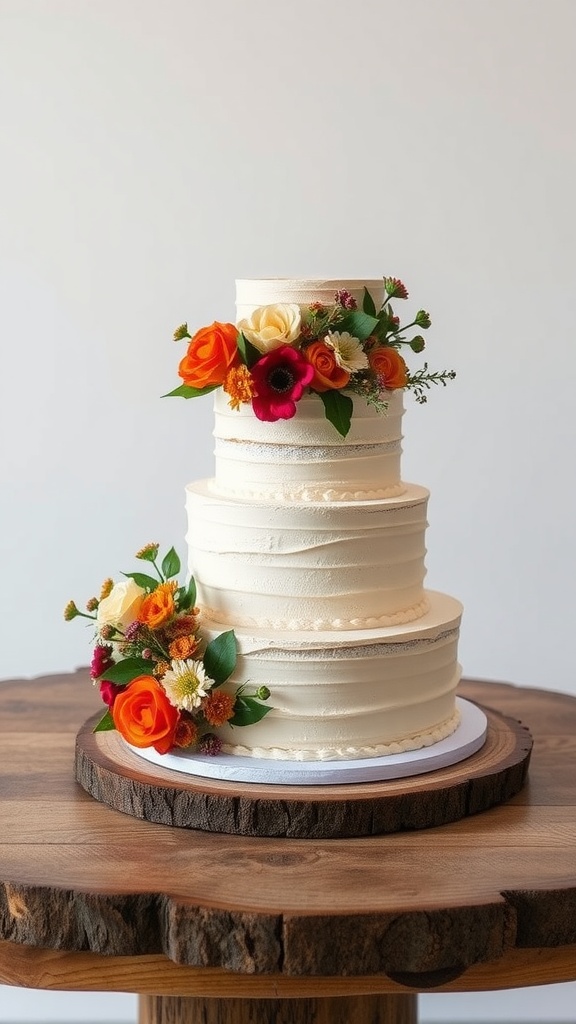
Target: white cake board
<point x="465" y="741"/>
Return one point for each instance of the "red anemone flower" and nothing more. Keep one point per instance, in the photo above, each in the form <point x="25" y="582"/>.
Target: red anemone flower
<point x="280" y="378"/>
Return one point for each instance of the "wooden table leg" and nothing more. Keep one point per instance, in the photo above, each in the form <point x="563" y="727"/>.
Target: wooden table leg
<point x="371" y="1009"/>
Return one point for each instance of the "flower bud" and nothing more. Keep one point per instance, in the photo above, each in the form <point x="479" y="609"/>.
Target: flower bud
<point x="417" y="344"/>
<point x="423" y="319"/>
<point x="181" y="332"/>
<point x="71" y="611"/>
<point x="395" y="289"/>
<point x="92" y="604"/>
<point x="149" y="553"/>
<point x="263" y="693"/>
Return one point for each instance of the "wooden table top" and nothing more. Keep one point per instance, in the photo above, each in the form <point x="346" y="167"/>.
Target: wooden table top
<point x="488" y="901"/>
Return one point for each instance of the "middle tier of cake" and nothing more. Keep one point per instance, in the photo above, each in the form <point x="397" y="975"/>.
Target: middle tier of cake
<point x="314" y="566"/>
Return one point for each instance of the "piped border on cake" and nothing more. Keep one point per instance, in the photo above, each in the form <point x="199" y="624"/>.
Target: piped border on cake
<point x="414" y="742"/>
<point x="307" y="493"/>
<point x="400" y="618"/>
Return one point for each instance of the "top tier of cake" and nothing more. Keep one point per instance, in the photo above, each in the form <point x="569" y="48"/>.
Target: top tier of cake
<point x="305" y="459"/>
<point x="250" y="294"/>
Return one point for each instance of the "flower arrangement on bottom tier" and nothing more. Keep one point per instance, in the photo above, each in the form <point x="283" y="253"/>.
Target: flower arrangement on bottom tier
<point x="161" y="682"/>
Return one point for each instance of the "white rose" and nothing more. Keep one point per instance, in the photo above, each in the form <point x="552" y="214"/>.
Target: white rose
<point x="271" y="326"/>
<point x="122" y="605"/>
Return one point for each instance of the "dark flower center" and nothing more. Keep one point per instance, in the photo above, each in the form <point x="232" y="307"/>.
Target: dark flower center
<point x="280" y="379"/>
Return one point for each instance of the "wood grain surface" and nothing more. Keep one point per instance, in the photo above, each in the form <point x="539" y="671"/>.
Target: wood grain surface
<point x="114" y="774"/>
<point x="311" y="1010"/>
<point x="417" y="908"/>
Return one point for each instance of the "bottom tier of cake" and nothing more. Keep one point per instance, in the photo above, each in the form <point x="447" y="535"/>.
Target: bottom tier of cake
<point x="350" y="694"/>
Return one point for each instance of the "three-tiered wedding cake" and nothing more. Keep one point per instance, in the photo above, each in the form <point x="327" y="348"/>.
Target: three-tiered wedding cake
<point x="309" y="545"/>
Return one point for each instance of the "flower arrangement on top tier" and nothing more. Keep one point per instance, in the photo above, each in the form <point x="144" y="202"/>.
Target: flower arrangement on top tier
<point x="271" y="358"/>
<point x="160" y="681"/>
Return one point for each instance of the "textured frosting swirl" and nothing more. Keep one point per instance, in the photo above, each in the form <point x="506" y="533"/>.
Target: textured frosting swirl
<point x="308" y="566"/>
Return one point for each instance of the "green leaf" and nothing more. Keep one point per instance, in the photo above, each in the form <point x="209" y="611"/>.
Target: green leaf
<point x="105" y="724"/>
<point x="248" y="711"/>
<point x="147" y="582"/>
<point x="187" y="595"/>
<point x="185" y="391"/>
<point x="249" y="354"/>
<point x="358" y="323"/>
<point x="220" y="657"/>
<point x="170" y="564"/>
<point x="125" y="671"/>
<point x="368" y="305"/>
<point x="338" y="408"/>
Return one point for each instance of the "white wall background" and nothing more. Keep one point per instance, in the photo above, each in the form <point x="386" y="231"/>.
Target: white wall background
<point x="152" y="152"/>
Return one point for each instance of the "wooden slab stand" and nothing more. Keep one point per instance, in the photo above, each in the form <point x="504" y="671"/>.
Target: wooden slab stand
<point x="114" y="775"/>
<point x="214" y="927"/>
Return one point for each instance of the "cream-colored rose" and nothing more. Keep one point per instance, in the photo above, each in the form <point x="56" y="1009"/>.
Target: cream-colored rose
<point x="122" y="605"/>
<point x="271" y="326"/>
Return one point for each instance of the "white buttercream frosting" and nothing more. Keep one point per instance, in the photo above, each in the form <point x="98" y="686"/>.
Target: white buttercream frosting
<point x="255" y="292"/>
<point x="305" y="458"/>
<point x="347" y="694"/>
<point x="400" y="746"/>
<point x="308" y="566"/>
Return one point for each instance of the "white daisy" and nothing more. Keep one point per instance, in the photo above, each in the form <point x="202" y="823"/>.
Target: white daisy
<point x="186" y="683"/>
<point x="348" y="351"/>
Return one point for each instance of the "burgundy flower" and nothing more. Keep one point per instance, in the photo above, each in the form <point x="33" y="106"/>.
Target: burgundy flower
<point x="345" y="299"/>
<point x="101" y="660"/>
<point x="210" y="744"/>
<point x="280" y="378"/>
<point x="109" y="691"/>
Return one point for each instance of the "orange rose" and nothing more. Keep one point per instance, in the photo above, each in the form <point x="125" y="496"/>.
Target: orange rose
<point x="144" y="716"/>
<point x="389" y="366"/>
<point x="211" y="353"/>
<point x="327" y="374"/>
<point x="157" y="606"/>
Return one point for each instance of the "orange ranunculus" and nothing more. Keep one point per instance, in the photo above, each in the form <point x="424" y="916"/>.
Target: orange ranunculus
<point x="389" y="366"/>
<point x="144" y="716"/>
<point x="158" y="606"/>
<point x="211" y="353"/>
<point x="327" y="374"/>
